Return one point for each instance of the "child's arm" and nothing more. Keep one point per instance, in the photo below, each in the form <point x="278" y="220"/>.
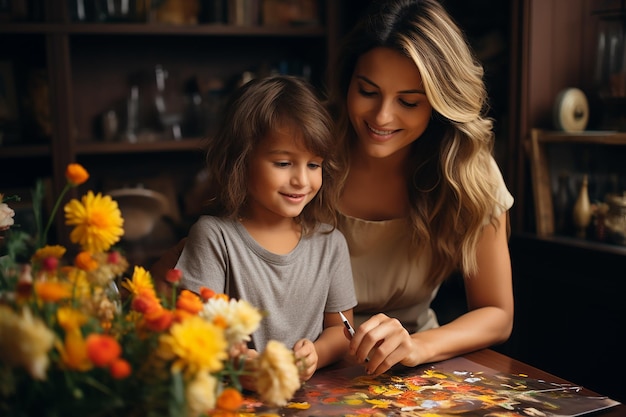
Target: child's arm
<point x="331" y="346"/>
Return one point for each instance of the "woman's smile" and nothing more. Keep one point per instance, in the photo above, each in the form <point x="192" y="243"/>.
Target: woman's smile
<point x="386" y="133"/>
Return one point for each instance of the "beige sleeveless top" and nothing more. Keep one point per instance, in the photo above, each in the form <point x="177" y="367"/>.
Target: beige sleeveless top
<point x="388" y="274"/>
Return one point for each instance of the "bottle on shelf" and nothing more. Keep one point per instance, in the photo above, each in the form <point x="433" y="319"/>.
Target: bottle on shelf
<point x="132" y="115"/>
<point x="581" y="214"/>
<point x="168" y="105"/>
<point x="563" y="205"/>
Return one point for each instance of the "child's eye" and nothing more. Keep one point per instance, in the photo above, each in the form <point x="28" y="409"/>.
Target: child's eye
<point x="314" y="165"/>
<point x="282" y="164"/>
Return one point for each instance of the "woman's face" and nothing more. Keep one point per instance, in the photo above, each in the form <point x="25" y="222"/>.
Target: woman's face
<point x="387" y="103"/>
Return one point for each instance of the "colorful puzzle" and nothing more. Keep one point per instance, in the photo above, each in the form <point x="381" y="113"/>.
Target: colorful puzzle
<point x="456" y="387"/>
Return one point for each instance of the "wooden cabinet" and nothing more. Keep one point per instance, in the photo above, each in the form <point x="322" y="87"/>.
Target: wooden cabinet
<point x="86" y="72"/>
<point x="570" y="316"/>
<point x="599" y="154"/>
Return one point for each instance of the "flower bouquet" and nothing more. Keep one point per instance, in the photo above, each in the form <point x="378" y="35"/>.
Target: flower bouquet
<point x="72" y="343"/>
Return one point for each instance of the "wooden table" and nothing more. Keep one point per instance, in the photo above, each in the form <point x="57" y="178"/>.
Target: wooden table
<point x="477" y="384"/>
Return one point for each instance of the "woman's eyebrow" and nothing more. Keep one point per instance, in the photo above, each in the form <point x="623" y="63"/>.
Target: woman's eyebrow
<point x="373" y="84"/>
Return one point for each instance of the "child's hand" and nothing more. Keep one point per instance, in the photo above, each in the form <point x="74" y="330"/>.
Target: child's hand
<point x="240" y="349"/>
<point x="306" y="358"/>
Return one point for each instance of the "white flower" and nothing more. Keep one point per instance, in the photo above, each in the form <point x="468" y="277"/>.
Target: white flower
<point x="25" y="341"/>
<point x="239" y="318"/>
<point x="200" y="393"/>
<point x="6" y="216"/>
<point x="277" y="374"/>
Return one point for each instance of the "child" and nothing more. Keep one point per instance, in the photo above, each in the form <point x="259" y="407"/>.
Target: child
<point x="271" y="237"/>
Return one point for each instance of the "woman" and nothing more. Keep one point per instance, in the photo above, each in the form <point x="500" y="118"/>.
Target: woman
<point x="423" y="197"/>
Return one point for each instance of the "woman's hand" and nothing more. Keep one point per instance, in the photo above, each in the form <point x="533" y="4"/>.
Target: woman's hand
<point x="381" y="342"/>
<point x="306" y="358"/>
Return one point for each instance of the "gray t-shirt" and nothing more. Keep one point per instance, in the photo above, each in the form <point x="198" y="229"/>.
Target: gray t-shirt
<point x="292" y="290"/>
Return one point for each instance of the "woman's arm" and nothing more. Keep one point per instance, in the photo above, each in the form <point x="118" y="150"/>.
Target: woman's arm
<point x="489" y="320"/>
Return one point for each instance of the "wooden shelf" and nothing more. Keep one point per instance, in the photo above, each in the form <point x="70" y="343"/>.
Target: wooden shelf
<point x="221" y="30"/>
<point x="539" y="167"/>
<point x="576" y="243"/>
<point x="25" y="151"/>
<point x="96" y="148"/>
<point x="599" y="137"/>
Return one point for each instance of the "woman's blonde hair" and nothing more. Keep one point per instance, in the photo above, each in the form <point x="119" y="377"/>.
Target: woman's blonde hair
<point x="450" y="184"/>
<point x="255" y="110"/>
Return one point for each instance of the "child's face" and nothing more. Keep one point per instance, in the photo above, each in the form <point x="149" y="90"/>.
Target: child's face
<point x="283" y="177"/>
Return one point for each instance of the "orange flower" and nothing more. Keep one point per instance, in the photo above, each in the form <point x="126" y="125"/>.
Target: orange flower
<point x="182" y="315"/>
<point x="189" y="302"/>
<point x="53" y="291"/>
<point x="120" y="369"/>
<point x="102" y="349"/>
<point x="85" y="261"/>
<point x="229" y="402"/>
<point x="206" y="293"/>
<point x="146" y="302"/>
<point x="159" y="321"/>
<point x="223" y="296"/>
<point x="55" y="251"/>
<point x="76" y="174"/>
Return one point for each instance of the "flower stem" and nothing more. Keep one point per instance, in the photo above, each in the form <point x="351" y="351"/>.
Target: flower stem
<point x="174" y="295"/>
<point x="43" y="239"/>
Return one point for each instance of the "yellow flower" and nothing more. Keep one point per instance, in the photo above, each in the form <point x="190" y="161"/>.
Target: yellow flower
<point x="98" y="222"/>
<point x="70" y="319"/>
<point x="74" y="350"/>
<point x="277" y="374"/>
<point x="25" y="341"/>
<point x="200" y="393"/>
<point x="75" y="174"/>
<point x="140" y="282"/>
<point x="81" y="287"/>
<point x="195" y="345"/>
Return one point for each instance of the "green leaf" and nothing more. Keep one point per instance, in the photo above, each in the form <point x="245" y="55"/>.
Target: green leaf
<point x="177" y="396"/>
